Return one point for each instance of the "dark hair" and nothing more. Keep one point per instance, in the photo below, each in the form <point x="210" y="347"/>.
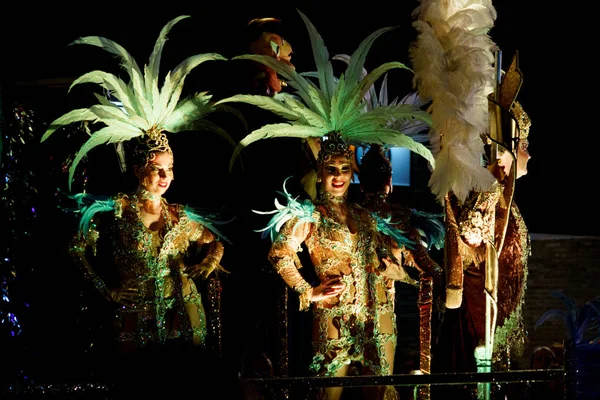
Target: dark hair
<point x="375" y="170"/>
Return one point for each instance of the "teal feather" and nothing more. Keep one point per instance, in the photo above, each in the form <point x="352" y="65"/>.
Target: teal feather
<point x="208" y="221"/>
<point x="88" y="206"/>
<point x="388" y="228"/>
<point x="302" y="209"/>
<point x="431" y="228"/>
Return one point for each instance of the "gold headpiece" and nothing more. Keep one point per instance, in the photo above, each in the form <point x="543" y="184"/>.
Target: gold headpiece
<point x="523" y="121"/>
<point x="333" y="144"/>
<point x="509" y="123"/>
<point x="153" y="141"/>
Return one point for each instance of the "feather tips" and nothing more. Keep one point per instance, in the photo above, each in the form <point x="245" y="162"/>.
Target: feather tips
<point x="151" y="77"/>
<point x="294" y="208"/>
<point x="88" y="206"/>
<point x="453" y="64"/>
<point x="144" y="105"/>
<point x="390" y="229"/>
<point x="276" y="130"/>
<point x="321" y="55"/>
<point x="109" y="134"/>
<point x="333" y="104"/>
<point x="431" y="228"/>
<point x="208" y="221"/>
<point x="583" y="324"/>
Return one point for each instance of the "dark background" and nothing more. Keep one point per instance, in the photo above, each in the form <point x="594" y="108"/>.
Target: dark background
<point x="556" y="197"/>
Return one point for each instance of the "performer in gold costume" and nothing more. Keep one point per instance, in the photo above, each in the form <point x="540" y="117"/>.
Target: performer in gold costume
<point x="353" y="306"/>
<point x="487" y="250"/>
<point x="137" y="249"/>
<point x="414" y="232"/>
<point x="354" y="324"/>
<point x="474" y="105"/>
<point x="484" y="218"/>
<point x="148" y="240"/>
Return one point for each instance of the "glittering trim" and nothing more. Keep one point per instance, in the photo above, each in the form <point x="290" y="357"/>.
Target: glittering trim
<point x="305" y="299"/>
<point x="214" y="299"/>
<point x="143" y="194"/>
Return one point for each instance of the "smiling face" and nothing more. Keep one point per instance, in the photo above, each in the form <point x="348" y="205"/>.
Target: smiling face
<point x="157" y="175"/>
<point x="336" y="174"/>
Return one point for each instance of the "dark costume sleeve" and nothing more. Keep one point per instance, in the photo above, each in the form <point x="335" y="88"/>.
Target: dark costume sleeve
<point x="81" y="245"/>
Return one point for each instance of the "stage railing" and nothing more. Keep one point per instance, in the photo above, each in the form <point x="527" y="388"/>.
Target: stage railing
<point x="285" y="386"/>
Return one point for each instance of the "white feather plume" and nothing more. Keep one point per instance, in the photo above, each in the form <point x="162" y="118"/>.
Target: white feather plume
<point x="453" y="61"/>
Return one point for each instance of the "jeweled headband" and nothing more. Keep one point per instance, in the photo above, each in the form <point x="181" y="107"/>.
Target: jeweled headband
<point x="145" y="147"/>
<point x="333" y="144"/>
<point x="523" y="120"/>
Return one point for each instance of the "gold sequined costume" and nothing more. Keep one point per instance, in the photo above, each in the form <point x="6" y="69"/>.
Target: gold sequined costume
<point x="153" y="263"/>
<point x="479" y="220"/>
<point x="416" y="256"/>
<point x="359" y="325"/>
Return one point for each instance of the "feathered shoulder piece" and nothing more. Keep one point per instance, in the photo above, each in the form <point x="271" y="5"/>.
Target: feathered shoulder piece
<point x="331" y="104"/>
<point x="208" y="221"/>
<point x="87" y="206"/>
<point x="144" y="108"/>
<point x="294" y="208"/>
<point x="430" y="227"/>
<point x="385" y="226"/>
<point x="453" y="62"/>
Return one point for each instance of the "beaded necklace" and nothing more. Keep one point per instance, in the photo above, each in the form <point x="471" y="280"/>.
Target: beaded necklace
<point x="329" y="202"/>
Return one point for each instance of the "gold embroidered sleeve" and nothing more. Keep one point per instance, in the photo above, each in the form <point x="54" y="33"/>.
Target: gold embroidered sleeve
<point x="477" y="216"/>
<point x="453" y="261"/>
<point x="214" y="254"/>
<point x="284" y="259"/>
<point x="80" y="245"/>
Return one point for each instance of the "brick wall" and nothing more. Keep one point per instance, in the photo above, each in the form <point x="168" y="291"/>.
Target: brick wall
<point x="567" y="264"/>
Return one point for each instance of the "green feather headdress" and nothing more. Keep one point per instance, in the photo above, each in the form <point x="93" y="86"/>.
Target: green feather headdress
<point x="334" y="105"/>
<point x="415" y="128"/>
<point x="146" y="111"/>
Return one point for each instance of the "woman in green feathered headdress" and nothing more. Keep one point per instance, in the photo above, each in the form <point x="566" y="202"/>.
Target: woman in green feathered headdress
<point x="134" y="247"/>
<point x="353" y="300"/>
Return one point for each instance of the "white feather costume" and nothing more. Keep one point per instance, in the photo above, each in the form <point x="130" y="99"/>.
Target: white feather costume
<point x="453" y="62"/>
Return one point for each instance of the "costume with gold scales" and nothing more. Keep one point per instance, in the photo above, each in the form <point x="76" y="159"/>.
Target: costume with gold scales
<point x="490" y="245"/>
<point x="478" y="128"/>
<point x="359" y="323"/>
<point x="153" y="262"/>
<point x="363" y="314"/>
<point x="136" y="259"/>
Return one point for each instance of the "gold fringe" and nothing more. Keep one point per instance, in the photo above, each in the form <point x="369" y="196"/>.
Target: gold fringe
<point x="391" y="393"/>
<point x="305" y="299"/>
